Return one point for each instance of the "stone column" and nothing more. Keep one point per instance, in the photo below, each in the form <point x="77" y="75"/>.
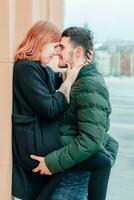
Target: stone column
<point x="5" y="99"/>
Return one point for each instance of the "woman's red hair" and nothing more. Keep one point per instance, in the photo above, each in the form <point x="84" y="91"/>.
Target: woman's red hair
<point x="41" y="33"/>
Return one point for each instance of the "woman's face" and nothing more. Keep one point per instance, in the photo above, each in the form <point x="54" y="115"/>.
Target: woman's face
<point x="48" y="52"/>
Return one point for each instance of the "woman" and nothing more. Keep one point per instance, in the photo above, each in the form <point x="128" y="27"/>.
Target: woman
<point x="36" y="107"/>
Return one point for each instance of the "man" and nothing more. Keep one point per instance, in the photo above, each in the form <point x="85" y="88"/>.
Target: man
<point x="84" y="125"/>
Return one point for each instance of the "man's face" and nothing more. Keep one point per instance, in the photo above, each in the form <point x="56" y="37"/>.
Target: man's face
<point x="65" y="52"/>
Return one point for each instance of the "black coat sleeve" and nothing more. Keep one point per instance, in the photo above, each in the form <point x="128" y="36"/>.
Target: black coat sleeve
<point x="57" y="77"/>
<point x="58" y="80"/>
<point x="31" y="83"/>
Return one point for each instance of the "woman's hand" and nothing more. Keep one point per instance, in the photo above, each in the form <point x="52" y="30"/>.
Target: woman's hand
<point x="90" y="55"/>
<point x="42" y="168"/>
<point x="71" y="76"/>
<point x="72" y="73"/>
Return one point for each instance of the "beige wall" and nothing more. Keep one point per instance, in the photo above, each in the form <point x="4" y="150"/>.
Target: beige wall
<point x="16" y="16"/>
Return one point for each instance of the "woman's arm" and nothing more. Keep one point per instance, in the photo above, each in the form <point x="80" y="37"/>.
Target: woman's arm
<point x="31" y="84"/>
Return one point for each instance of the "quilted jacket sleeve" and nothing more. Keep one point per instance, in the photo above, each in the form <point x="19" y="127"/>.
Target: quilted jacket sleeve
<point x="91" y="121"/>
<point x="111" y="148"/>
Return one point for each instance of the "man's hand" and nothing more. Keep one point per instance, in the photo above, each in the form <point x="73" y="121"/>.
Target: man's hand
<point x="42" y="168"/>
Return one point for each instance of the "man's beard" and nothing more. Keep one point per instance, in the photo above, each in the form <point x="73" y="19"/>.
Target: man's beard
<point x="69" y="60"/>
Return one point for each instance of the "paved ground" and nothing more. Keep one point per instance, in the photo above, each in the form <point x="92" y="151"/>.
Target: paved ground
<point x="121" y="185"/>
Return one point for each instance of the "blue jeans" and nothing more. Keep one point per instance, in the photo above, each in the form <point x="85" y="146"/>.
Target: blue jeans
<point x="74" y="186"/>
<point x="76" y="183"/>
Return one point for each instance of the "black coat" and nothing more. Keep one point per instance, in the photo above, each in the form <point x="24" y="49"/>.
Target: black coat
<point x="36" y="110"/>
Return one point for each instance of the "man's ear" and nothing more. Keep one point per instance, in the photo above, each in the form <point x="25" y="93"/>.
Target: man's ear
<point x="79" y="51"/>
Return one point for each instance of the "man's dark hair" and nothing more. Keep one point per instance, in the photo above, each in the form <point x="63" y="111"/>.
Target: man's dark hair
<point x="79" y="37"/>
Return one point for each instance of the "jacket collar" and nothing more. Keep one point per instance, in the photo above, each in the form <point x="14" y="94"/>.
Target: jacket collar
<point x="86" y="70"/>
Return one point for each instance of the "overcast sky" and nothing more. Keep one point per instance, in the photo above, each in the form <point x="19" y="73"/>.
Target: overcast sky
<point x="108" y="19"/>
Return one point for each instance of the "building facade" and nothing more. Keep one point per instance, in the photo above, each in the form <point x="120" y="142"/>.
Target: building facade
<point x="103" y="61"/>
<point x="116" y="59"/>
<point x="16" y="16"/>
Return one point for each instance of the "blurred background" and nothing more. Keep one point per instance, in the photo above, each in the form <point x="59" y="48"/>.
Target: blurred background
<point x="111" y="22"/>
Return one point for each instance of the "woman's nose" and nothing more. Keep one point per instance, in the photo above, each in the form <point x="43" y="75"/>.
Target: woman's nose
<point x="57" y="51"/>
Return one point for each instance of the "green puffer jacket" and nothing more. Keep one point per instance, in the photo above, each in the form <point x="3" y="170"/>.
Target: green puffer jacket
<point x="85" y="123"/>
